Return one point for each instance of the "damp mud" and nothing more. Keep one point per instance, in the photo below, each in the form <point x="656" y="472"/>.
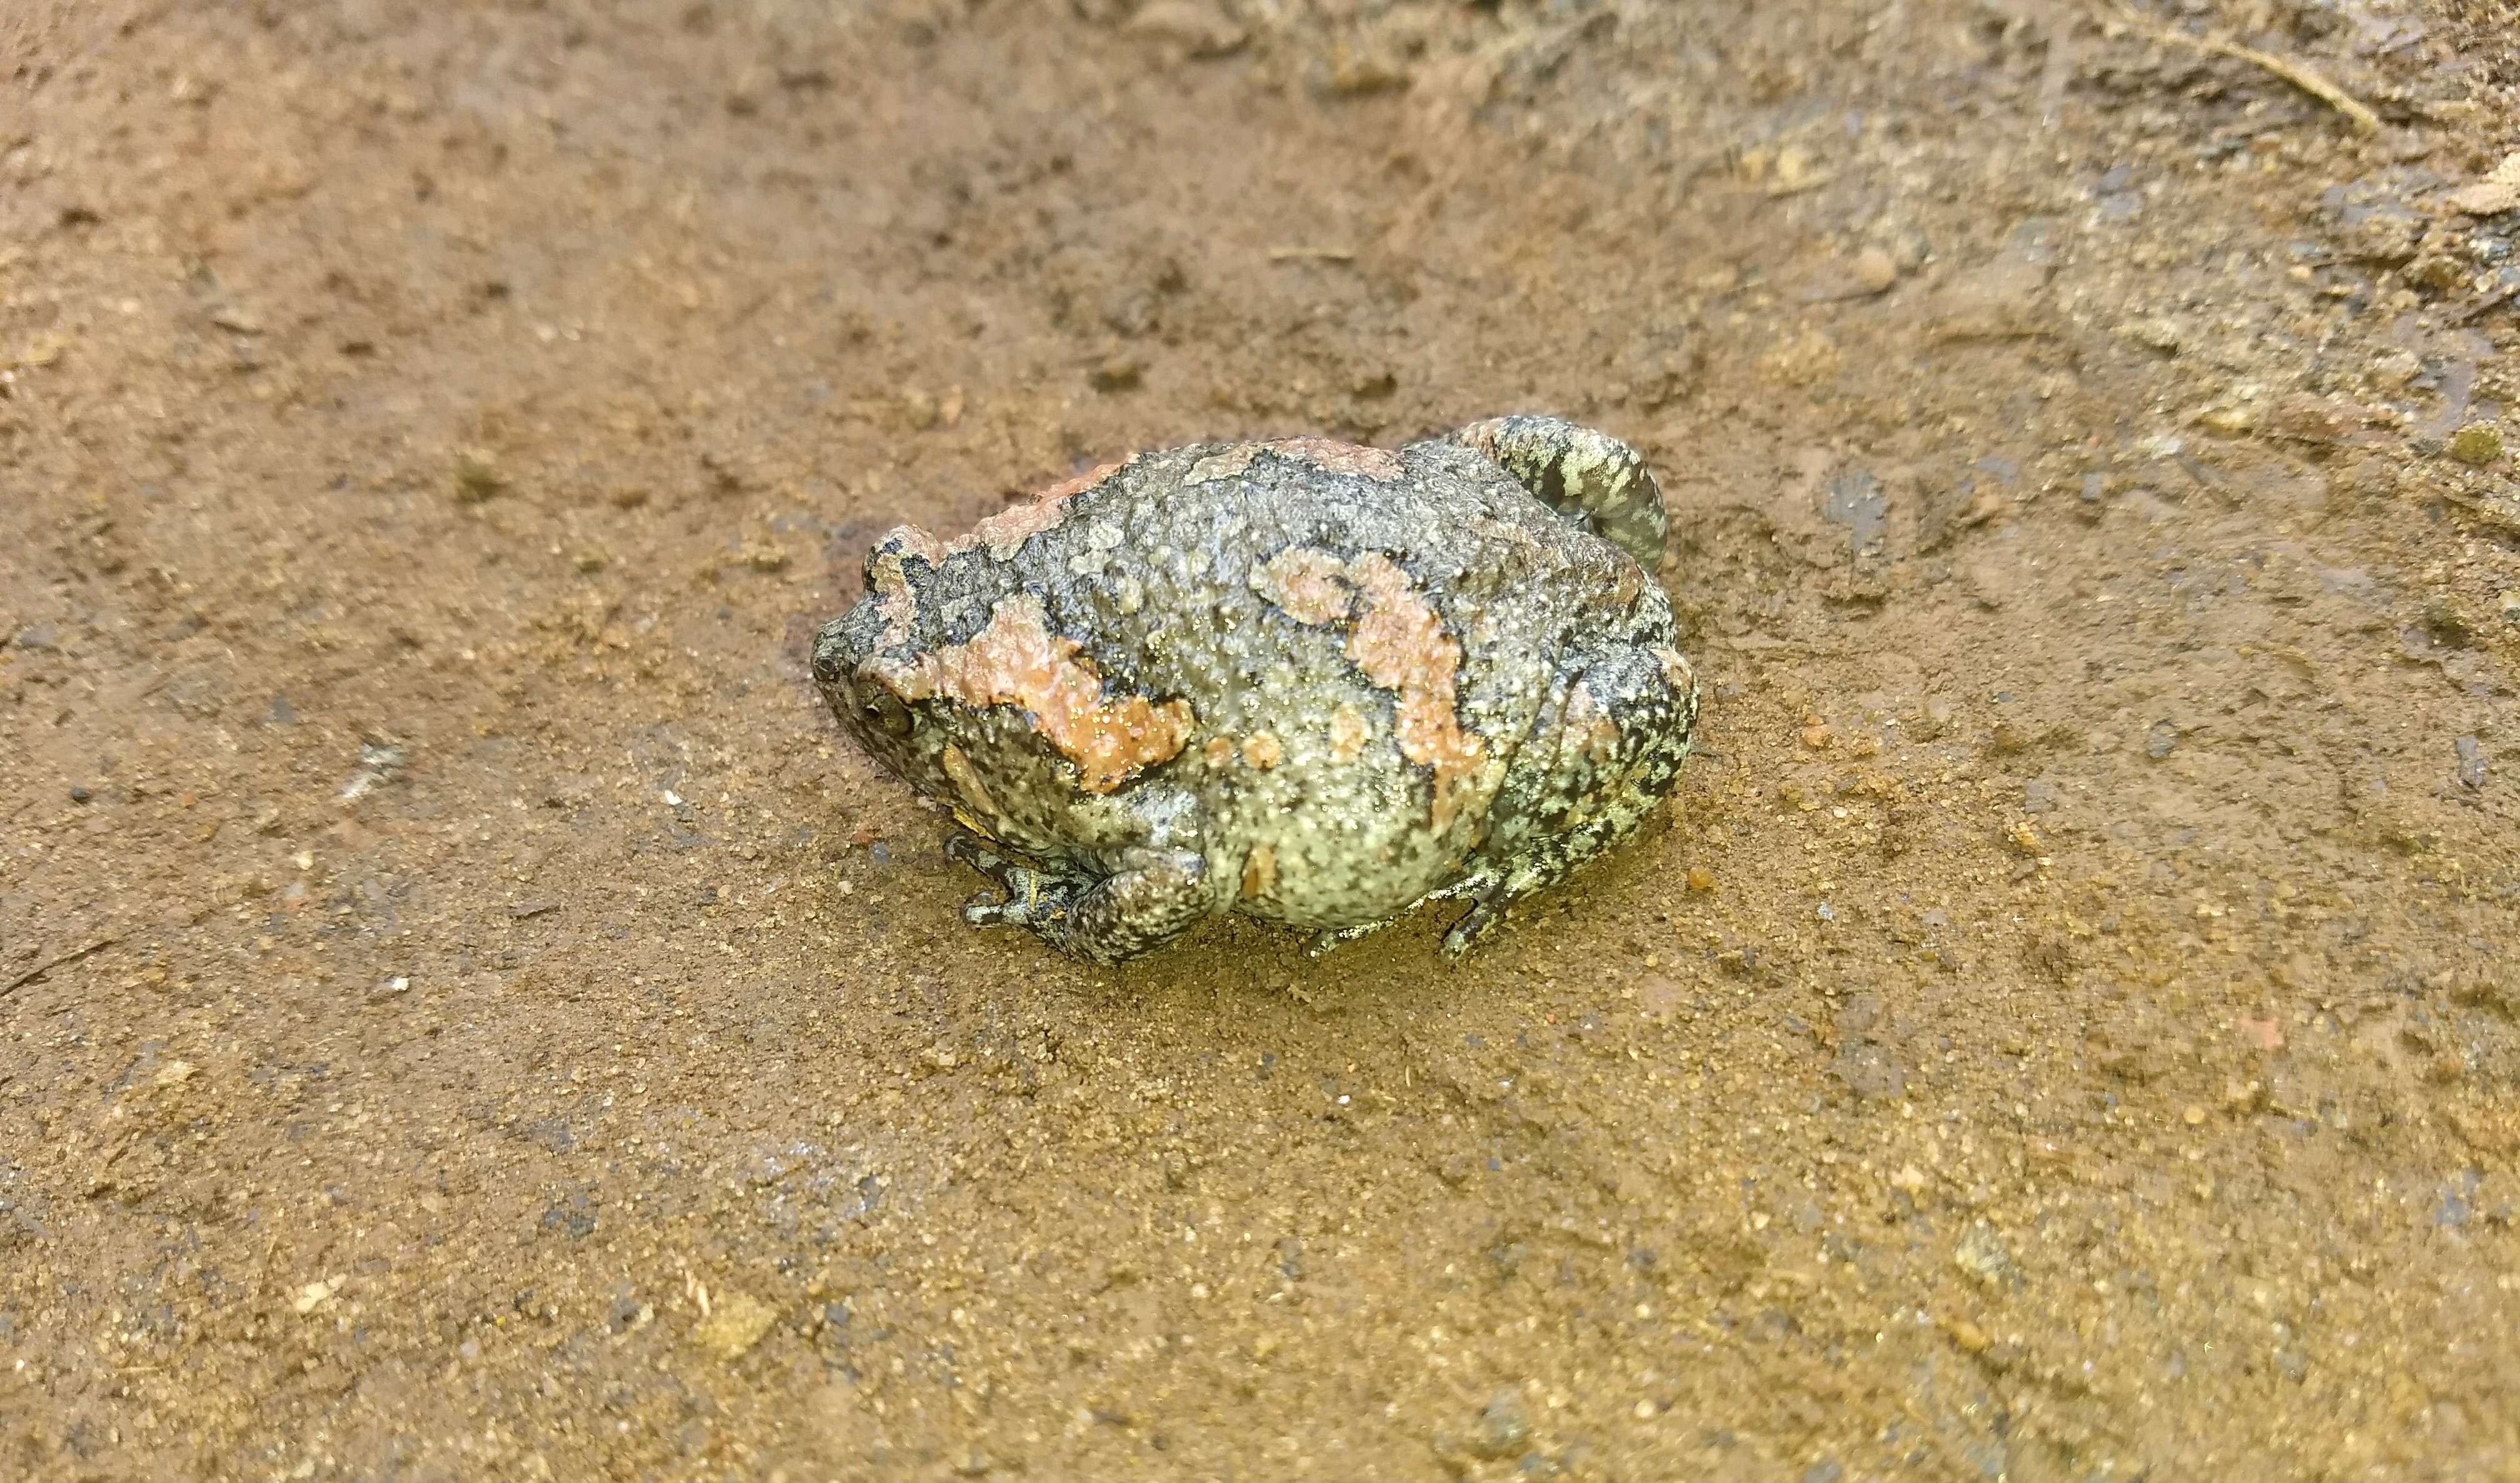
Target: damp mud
<point x="466" y="1011"/>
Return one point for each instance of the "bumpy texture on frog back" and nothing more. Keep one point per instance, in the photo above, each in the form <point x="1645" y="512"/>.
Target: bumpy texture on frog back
<point x="1305" y="680"/>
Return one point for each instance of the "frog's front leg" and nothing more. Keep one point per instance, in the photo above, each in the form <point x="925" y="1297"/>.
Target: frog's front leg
<point x="1024" y="894"/>
<point x="1155" y="896"/>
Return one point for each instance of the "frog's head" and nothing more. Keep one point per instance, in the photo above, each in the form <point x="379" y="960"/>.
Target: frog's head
<point x="870" y="663"/>
<point x="957" y="680"/>
<point x="932" y="682"/>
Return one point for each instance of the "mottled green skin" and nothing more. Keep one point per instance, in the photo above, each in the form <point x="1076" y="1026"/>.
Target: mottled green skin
<point x="1154" y="577"/>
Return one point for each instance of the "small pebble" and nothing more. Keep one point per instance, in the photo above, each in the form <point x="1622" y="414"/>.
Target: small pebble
<point x="1982" y="1255"/>
<point x="2393" y="368"/>
<point x="476" y="480"/>
<point x="1503" y="1426"/>
<point x="2476" y="444"/>
<point x="1700" y="878"/>
<point x="2227" y="422"/>
<point x="80" y="795"/>
<point x="1874" y="270"/>
<point x="2193" y="1116"/>
<point x="735" y="1322"/>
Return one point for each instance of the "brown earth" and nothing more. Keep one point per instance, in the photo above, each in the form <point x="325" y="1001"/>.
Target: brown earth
<point x="465" y="1013"/>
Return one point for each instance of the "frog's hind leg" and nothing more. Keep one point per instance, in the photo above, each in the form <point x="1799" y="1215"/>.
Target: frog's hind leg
<point x="1539" y="866"/>
<point x="1590" y="477"/>
<point x="1155" y="895"/>
<point x="1624" y="727"/>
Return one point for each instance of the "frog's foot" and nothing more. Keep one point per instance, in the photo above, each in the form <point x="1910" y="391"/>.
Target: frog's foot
<point x="1493" y="896"/>
<point x="1536" y="867"/>
<point x="1329" y="939"/>
<point x="1155" y="896"/>
<point x="1541" y="865"/>
<point x="1481" y="921"/>
<point x="1590" y="477"/>
<point x="1326" y="941"/>
<point x="1024" y="897"/>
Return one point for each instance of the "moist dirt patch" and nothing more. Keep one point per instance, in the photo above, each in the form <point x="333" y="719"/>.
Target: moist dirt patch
<point x="468" y="1013"/>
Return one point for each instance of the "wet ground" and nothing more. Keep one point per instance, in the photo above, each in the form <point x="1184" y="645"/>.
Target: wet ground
<point x="465" y="1013"/>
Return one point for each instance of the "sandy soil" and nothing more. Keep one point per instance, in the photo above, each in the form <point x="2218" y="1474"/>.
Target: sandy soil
<point x="465" y="1013"/>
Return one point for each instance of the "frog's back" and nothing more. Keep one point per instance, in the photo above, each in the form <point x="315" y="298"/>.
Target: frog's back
<point x="1363" y="638"/>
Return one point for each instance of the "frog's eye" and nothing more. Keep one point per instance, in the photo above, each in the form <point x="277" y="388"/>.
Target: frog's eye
<point x="882" y="712"/>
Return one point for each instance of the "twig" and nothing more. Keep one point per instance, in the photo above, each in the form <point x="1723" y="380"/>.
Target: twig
<point x="2486" y="304"/>
<point x="1311" y="255"/>
<point x="40" y="969"/>
<point x="2300" y="76"/>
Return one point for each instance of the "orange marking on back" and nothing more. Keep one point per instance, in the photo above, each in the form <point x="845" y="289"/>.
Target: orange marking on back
<point x="1259" y="872"/>
<point x="1349" y="732"/>
<point x="1017" y="660"/>
<point x="1004" y="532"/>
<point x="1590" y="726"/>
<point x="1401" y="645"/>
<point x="1308" y="582"/>
<point x="1380" y="464"/>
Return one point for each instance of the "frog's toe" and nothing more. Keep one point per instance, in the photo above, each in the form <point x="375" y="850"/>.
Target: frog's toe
<point x="1017" y="881"/>
<point x="988" y="909"/>
<point x="1475" y="926"/>
<point x="967" y="848"/>
<point x="1328" y="940"/>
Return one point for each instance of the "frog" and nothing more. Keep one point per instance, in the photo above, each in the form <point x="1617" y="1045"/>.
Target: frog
<point x="1318" y="683"/>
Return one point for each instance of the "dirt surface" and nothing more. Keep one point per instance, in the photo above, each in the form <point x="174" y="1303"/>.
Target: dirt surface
<point x="465" y="1013"/>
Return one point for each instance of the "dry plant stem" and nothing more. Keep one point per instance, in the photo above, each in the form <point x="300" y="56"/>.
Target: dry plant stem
<point x="2363" y="119"/>
<point x="38" y="972"/>
<point x="2480" y="307"/>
